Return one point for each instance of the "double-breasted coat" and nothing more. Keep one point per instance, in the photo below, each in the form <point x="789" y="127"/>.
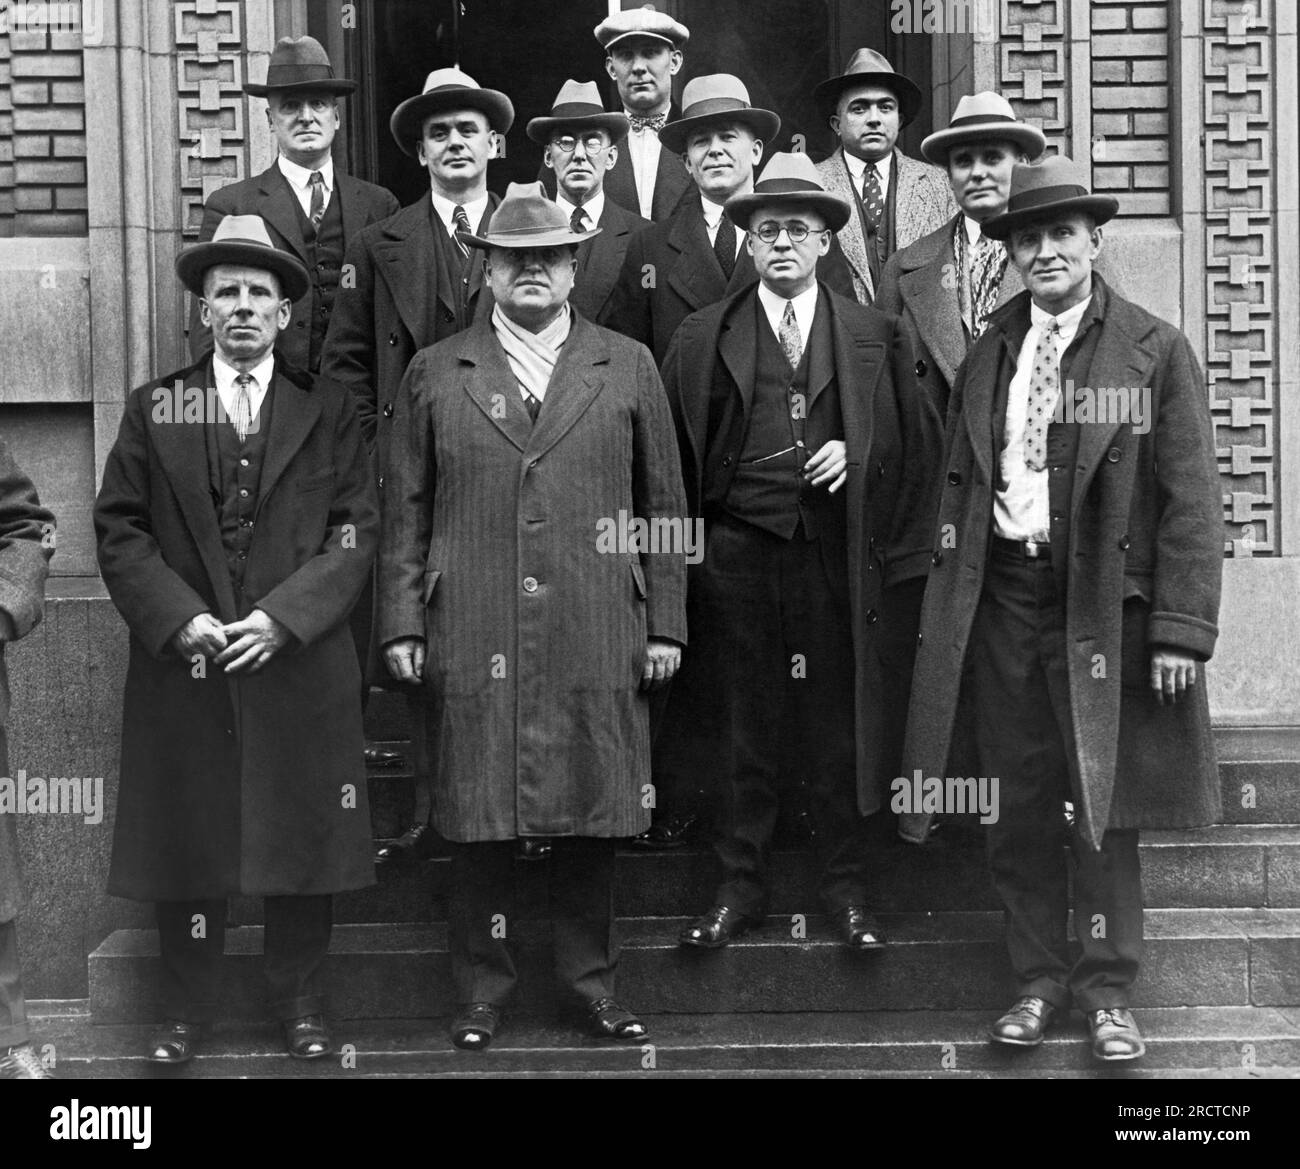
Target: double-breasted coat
<point x="26" y="545"/>
<point x="600" y="260"/>
<point x="1143" y="569"/>
<point x="501" y="547"/>
<point x="250" y="784"/>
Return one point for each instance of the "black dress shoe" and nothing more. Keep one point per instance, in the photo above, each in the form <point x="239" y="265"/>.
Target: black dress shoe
<point x="412" y="845"/>
<point x="607" y="1020"/>
<point x="1115" y="1035"/>
<point x="307" y="1038"/>
<point x="535" y="848"/>
<point x="1025" y="1024"/>
<point x="474" y="1027"/>
<point x="175" y="1041"/>
<point x="383" y="757"/>
<point x="716" y="928"/>
<point x="22" y="1063"/>
<point x="670" y="832"/>
<point x="859" y="930"/>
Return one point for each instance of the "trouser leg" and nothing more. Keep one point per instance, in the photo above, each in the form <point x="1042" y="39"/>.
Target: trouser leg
<point x="421" y="757"/>
<point x="1107" y="921"/>
<point x="191" y="941"/>
<point x="297" y="940"/>
<point x="582" y="917"/>
<point x="481" y="918"/>
<point x="13" y="1007"/>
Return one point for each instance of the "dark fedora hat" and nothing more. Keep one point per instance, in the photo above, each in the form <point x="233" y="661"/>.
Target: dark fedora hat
<point x="717" y="97"/>
<point x="300" y="63"/>
<point x="244" y="240"/>
<point x="526" y="218"/>
<point x="1044" y="190"/>
<point x="789" y="179"/>
<point x="448" y="89"/>
<point x="577" y="106"/>
<point x="983" y="117"/>
<point x="867" y="67"/>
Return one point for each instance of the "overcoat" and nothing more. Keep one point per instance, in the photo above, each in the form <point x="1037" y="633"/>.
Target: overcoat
<point x="270" y="196"/>
<point x="709" y="374"/>
<point x="1143" y="568"/>
<point x="501" y="547"/>
<point x="251" y="784"/>
<point x="600" y="260"/>
<point x="26" y="545"/>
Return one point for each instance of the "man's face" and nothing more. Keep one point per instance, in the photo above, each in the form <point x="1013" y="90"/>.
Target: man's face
<point x="721" y="157"/>
<point x="580" y="156"/>
<point x="868" y="120"/>
<point x="304" y="123"/>
<point x="455" y="147"/>
<point x="643" y="69"/>
<point x="245" y="309"/>
<point x="980" y="174"/>
<point x="530" y="284"/>
<point x="788" y="267"/>
<point x="1055" y="258"/>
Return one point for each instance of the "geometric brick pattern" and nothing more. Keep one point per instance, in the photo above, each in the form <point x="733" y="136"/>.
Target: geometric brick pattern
<point x="1034" y="66"/>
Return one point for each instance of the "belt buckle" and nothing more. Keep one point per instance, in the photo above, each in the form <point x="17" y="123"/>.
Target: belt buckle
<point x="1031" y="549"/>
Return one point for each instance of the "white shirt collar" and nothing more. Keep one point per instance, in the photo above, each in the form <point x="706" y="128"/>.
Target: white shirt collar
<point x="857" y="168"/>
<point x="973" y="230"/>
<point x="446" y="208"/>
<point x="300" y="176"/>
<point x="594" y="207"/>
<point x="805" y="308"/>
<point x="1067" y="322"/>
<point x="712" y="214"/>
<point x="224" y="375"/>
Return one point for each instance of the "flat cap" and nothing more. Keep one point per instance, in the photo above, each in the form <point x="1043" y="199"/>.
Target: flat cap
<point x="641" y="22"/>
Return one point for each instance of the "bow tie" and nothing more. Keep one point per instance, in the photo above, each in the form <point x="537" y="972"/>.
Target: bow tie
<point x="656" y="123"/>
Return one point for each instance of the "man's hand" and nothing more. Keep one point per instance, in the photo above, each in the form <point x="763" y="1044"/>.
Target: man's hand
<point x="254" y="641"/>
<point x="200" y="635"/>
<point x="1172" y="674"/>
<point x="829" y="463"/>
<point x="662" y="659"/>
<point x="405" y="659"/>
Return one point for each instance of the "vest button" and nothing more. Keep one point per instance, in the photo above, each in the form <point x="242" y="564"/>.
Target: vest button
<point x="726" y="460"/>
<point x="870" y="616"/>
<point x="243" y="493"/>
<point x="1123" y="543"/>
<point x="937" y="558"/>
<point x="392" y="338"/>
<point x="882" y="470"/>
<point x="530" y="584"/>
<point x="388" y="410"/>
<point x="243" y="462"/>
<point x="954" y="477"/>
<point x="1114" y="454"/>
<point x="921" y="369"/>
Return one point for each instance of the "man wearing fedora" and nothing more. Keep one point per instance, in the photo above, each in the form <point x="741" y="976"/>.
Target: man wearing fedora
<point x="1075" y="598"/>
<point x="807" y="453"/>
<point x="415" y="285"/>
<point x="537" y="639"/>
<point x="895" y="199"/>
<point x="582" y="145"/>
<point x="237" y="522"/>
<point x="310" y="207"/>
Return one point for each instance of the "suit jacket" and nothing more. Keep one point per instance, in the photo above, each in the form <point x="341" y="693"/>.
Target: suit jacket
<point x="600" y="260"/>
<point x="500" y="548"/>
<point x="253" y="783"/>
<point x="922" y="202"/>
<point x="270" y="196"/>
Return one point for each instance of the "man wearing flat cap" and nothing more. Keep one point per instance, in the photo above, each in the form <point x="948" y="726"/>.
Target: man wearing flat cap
<point x="1075" y="603"/>
<point x="415" y="285"/>
<point x="807" y="452"/>
<point x="582" y="145"/>
<point x="524" y="445"/>
<point x="237" y="523"/>
<point x="895" y="199"/>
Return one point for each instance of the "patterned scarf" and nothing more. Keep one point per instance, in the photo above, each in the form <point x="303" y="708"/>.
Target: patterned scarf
<point x="978" y="278"/>
<point x="532" y="356"/>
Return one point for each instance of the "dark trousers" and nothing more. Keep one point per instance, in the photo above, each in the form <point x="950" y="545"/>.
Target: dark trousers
<point x="13" y="1008"/>
<point x="482" y="919"/>
<point x="297" y="939"/>
<point x="1024" y="728"/>
<point x="777" y="629"/>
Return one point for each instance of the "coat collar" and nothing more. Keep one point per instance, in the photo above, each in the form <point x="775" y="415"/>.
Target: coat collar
<point x="695" y="275"/>
<point x="279" y="207"/>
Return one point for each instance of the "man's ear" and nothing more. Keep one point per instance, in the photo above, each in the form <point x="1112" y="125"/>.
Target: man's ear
<point x="285" y="313"/>
<point x="547" y="161"/>
<point x="611" y="158"/>
<point x="676" y="58"/>
<point x="609" y="68"/>
<point x="205" y="312"/>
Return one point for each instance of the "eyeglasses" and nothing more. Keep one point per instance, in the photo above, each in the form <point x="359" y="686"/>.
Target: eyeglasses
<point x="593" y="143"/>
<point x="798" y="232"/>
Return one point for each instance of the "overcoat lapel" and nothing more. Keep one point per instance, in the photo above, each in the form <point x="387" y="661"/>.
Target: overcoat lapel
<point x="575" y="383"/>
<point x="296" y="411"/>
<point x="983" y="367"/>
<point x="933" y="304"/>
<point x="348" y="191"/>
<point x="491" y="384"/>
<point x="695" y="276"/>
<point x="407" y="256"/>
<point x="279" y="207"/>
<point x="738" y="348"/>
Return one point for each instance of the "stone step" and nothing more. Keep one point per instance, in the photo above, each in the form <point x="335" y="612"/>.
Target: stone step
<point x="936" y="961"/>
<point x="1200" y="1041"/>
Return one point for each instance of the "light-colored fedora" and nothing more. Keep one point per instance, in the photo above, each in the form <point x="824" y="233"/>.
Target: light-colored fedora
<point x="792" y="180"/>
<point x="641" y="22"/>
<point x="526" y="218"/>
<point x="300" y="63"/>
<point x="867" y="67"/>
<point x="244" y="240"/>
<point x="983" y="117"/>
<point x="448" y="89"/>
<point x="717" y="97"/>
<point x="577" y="106"/>
<point x="1044" y="190"/>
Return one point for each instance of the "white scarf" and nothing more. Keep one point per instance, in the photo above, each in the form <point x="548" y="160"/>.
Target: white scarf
<point x="532" y="356"/>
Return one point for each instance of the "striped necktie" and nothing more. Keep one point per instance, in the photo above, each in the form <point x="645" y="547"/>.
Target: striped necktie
<point x="243" y="418"/>
<point x="460" y="221"/>
<point x="317" y="213"/>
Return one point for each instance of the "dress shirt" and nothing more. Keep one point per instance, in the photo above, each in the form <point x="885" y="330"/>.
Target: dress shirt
<point x="713" y="219"/>
<point x="444" y="209"/>
<point x="300" y="180"/>
<point x="643" y="149"/>
<point x="858" y="169"/>
<point x="594" y="208"/>
<point x="224" y="375"/>
<point x="805" y="308"/>
<point x="973" y="232"/>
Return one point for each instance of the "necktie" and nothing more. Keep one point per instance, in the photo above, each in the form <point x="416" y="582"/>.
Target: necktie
<point x="986" y="275"/>
<point x="461" y="223"/>
<point x="873" y="201"/>
<point x="724" y="246"/>
<point x="1044" y="390"/>
<point x="533" y="404"/>
<point x="654" y="124"/>
<point x="791" y="340"/>
<point x="243" y="418"/>
<point x="317" y="184"/>
<point x="578" y="220"/>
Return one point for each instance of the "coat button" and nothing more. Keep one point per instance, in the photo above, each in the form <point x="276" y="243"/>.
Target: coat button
<point x="392" y="338"/>
<point x="388" y="410"/>
<point x="954" y="477"/>
<point x="726" y="460"/>
<point x="937" y="558"/>
<point x="1114" y="454"/>
<point x="870" y="616"/>
<point x="921" y="369"/>
<point x="882" y="470"/>
<point x="530" y="584"/>
<point x="920" y="638"/>
<point x="301" y="324"/>
<point x="1123" y="543"/>
<point x="381" y="482"/>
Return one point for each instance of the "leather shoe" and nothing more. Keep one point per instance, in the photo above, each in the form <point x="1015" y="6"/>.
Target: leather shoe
<point x="307" y="1038"/>
<point x="411" y="846"/>
<point x="859" y="929"/>
<point x="382" y="757"/>
<point x="670" y="832"/>
<point x="716" y="928"/>
<point x="607" y="1020"/>
<point x="1115" y="1035"/>
<point x="22" y="1063"/>
<point x="535" y="848"/>
<point x="1025" y="1024"/>
<point x="474" y="1027"/>
<point x="175" y="1041"/>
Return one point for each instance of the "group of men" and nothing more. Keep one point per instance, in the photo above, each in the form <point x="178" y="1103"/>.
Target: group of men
<point x="848" y="377"/>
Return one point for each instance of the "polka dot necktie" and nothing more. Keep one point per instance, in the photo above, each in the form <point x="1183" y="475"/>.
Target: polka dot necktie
<point x="873" y="200"/>
<point x="1044" y="390"/>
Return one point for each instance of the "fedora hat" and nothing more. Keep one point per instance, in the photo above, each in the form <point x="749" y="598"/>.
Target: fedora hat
<point x="526" y="218"/>
<point x="792" y="180"/>
<point x="578" y="105"/>
<point x="717" y="97"/>
<point x="244" y="240"/>
<point x="448" y="89"/>
<point x="867" y="67"/>
<point x="300" y="63"/>
<point x="983" y="117"/>
<point x="1044" y="190"/>
<point x="641" y="22"/>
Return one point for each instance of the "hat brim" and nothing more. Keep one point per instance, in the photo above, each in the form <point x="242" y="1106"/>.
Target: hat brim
<point x="764" y="123"/>
<point x="193" y="262"/>
<point x="407" y="122"/>
<point x="547" y="238"/>
<point x="827" y="94"/>
<point x="836" y="211"/>
<point x="1029" y="138"/>
<point x="339" y="87"/>
<point x="608" y="46"/>
<point x="616" y="125"/>
<point x="1102" y="208"/>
